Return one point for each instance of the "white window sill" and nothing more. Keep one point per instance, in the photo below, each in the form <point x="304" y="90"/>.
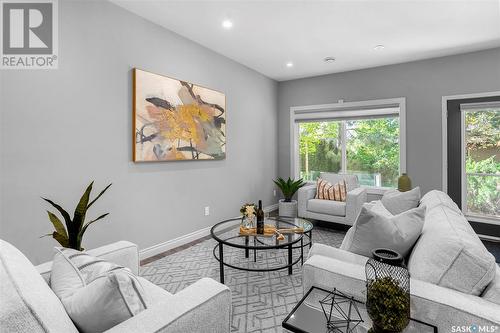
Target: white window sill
<point x="369" y="189"/>
<point x="482" y="219"/>
<point x="376" y="189"/>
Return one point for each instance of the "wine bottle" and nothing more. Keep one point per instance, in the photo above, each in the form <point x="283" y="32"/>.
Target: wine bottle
<point x="260" y="219"/>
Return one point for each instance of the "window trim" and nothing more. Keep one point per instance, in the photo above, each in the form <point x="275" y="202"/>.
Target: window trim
<point x="444" y="129"/>
<point x="390" y="106"/>
<point x="463" y="172"/>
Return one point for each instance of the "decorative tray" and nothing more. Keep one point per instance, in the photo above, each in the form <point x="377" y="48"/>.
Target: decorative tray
<point x="270" y="231"/>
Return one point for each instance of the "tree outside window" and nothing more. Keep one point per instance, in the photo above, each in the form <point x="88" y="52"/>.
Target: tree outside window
<point x="372" y="149"/>
<point x="482" y="162"/>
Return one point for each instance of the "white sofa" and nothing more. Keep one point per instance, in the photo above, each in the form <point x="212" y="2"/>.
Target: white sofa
<point x="329" y="210"/>
<point x="447" y="239"/>
<point x="27" y="304"/>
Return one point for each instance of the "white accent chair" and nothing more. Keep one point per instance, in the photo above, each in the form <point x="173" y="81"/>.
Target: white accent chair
<point x="27" y="304"/>
<point x="329" y="210"/>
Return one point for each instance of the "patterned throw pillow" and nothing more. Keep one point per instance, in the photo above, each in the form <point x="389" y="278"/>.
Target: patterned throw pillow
<point x="343" y="191"/>
<point x="326" y="191"/>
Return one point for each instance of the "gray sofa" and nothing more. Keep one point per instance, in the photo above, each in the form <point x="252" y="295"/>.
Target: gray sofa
<point x="27" y="304"/>
<point x="328" y="210"/>
<point x="454" y="280"/>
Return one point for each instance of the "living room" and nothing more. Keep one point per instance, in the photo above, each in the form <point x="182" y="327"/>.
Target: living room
<point x="192" y="112"/>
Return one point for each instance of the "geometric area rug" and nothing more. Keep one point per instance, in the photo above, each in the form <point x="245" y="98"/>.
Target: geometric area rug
<point x="260" y="300"/>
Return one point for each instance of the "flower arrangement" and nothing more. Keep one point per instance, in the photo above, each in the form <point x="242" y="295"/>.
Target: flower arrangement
<point x="248" y="210"/>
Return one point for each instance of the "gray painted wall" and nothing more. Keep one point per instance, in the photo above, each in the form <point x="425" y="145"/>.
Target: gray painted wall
<point x="62" y="128"/>
<point x="423" y="83"/>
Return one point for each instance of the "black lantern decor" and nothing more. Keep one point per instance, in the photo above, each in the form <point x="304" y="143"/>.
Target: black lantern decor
<point x="388" y="291"/>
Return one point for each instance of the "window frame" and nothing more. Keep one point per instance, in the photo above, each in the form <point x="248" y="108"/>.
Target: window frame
<point x="346" y="110"/>
<point x="464" y="108"/>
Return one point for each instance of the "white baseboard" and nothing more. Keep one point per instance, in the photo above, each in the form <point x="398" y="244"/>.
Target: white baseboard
<point x="173" y="243"/>
<point x="184" y="239"/>
<point x="270" y="208"/>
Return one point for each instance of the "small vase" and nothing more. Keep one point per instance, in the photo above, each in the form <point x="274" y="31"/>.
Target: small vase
<point x="404" y="183"/>
<point x="247" y="222"/>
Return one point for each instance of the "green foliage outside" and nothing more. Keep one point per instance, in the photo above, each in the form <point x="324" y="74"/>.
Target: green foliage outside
<point x="483" y="130"/>
<point x="372" y="149"/>
<point x="483" y="162"/>
<point x="483" y="195"/>
<point x="319" y="148"/>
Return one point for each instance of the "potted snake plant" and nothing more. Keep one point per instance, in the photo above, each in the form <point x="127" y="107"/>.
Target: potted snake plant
<point x="70" y="233"/>
<point x="287" y="206"/>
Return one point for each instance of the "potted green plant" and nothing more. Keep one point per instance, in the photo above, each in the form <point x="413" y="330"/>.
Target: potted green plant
<point x="287" y="206"/>
<point x="388" y="306"/>
<point x="388" y="291"/>
<point x="71" y="235"/>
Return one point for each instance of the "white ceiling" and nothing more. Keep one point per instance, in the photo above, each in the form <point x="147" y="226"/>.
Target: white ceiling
<point x="268" y="34"/>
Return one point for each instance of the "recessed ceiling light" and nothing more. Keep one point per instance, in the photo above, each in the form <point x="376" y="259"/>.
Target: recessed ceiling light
<point x="227" y="24"/>
<point x="379" y="47"/>
<point x="329" y="59"/>
<point x="289" y="64"/>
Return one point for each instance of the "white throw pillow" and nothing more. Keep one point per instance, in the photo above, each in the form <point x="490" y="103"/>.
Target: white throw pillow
<point x="376" y="227"/>
<point x="397" y="202"/>
<point x="96" y="294"/>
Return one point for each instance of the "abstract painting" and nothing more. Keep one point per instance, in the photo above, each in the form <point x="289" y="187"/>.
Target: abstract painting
<point x="176" y="120"/>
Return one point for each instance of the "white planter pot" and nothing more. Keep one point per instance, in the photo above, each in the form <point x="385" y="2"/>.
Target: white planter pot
<point x="288" y="209"/>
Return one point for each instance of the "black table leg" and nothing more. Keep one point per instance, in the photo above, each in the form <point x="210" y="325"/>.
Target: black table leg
<point x="254" y="252"/>
<point x="290" y="259"/>
<point x="221" y="263"/>
<point x="310" y="238"/>
<point x="246" y="249"/>
<point x="302" y="250"/>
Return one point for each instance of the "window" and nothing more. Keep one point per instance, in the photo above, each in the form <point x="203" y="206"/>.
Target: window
<point x="366" y="142"/>
<point x="481" y="160"/>
<point x="373" y="150"/>
<point x="320" y="148"/>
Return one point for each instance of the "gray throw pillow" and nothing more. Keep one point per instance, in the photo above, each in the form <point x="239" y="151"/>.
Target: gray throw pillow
<point x="492" y="292"/>
<point x="96" y="294"/>
<point x="376" y="227"/>
<point x="397" y="202"/>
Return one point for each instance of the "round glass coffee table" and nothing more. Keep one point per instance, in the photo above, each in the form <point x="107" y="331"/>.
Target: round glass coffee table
<point x="226" y="233"/>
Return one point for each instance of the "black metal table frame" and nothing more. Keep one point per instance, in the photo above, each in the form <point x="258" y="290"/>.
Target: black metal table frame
<point x="294" y="329"/>
<point x="290" y="246"/>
